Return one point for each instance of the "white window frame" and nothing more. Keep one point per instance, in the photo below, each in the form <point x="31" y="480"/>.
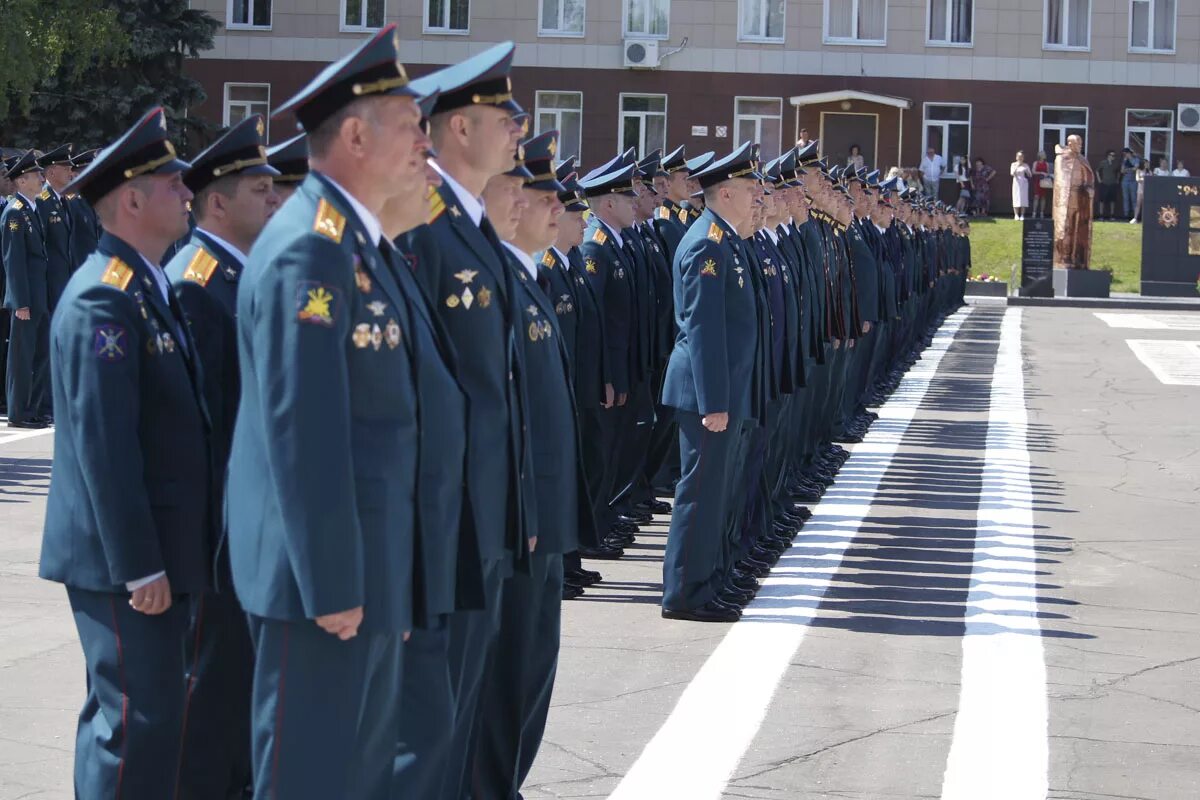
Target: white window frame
<point x="758" y="119"/>
<point x="243" y="26"/>
<point x="226" y="103"/>
<point x="345" y="27"/>
<point x="763" y="5"/>
<point x="557" y="112"/>
<point x="1046" y="45"/>
<point x="1170" y="130"/>
<point x="853" y="41"/>
<point x="1043" y="126"/>
<point x="622" y="113"/>
<point x="426" y="28"/>
<point x="948" y="169"/>
<point x="949" y="16"/>
<point x="1150" y="32"/>
<point x="559" y="33"/>
<point x="628" y="34"/>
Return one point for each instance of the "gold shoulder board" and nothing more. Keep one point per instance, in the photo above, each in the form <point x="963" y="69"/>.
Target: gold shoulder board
<point x="201" y="268"/>
<point x="45" y="195"/>
<point x="548" y="258"/>
<point x="437" y="206"/>
<point x="117" y="273"/>
<point x="329" y="221"/>
<point x="715" y="233"/>
<point x="683" y="215"/>
<point x="599" y="236"/>
<point x="18" y="205"/>
<point x="664" y="212"/>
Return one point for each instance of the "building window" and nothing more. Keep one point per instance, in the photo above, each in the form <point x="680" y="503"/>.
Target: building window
<point x="562" y="112"/>
<point x="362" y="15"/>
<point x="647" y="18"/>
<point x="761" y="20"/>
<point x="1059" y="122"/>
<point x="951" y="22"/>
<point x="249" y="14"/>
<point x="948" y="132"/>
<point x="447" y="16"/>
<point x="1152" y="25"/>
<point x="1150" y="134"/>
<point x="562" y="17"/>
<point x="244" y="99"/>
<point x="759" y="119"/>
<point x="856" y="21"/>
<point x="643" y="122"/>
<point x="1068" y="24"/>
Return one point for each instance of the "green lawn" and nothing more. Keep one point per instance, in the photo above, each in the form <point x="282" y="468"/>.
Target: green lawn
<point x="996" y="250"/>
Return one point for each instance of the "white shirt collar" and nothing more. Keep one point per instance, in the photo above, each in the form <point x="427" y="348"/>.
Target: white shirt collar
<point x="369" y="220"/>
<point x="616" y="235"/>
<point x="774" y="236"/>
<point x="160" y="279"/>
<point x="881" y="230"/>
<point x="233" y="251"/>
<point x="566" y="262"/>
<point x="472" y="205"/>
<point x="524" y="258"/>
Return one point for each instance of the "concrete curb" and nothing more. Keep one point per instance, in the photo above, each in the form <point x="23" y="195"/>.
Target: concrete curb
<point x="1109" y="303"/>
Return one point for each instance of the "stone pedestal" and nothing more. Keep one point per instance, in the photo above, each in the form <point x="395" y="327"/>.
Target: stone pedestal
<point x="1081" y="283"/>
<point x="987" y="289"/>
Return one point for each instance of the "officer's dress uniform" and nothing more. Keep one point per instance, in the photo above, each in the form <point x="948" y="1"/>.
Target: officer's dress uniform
<point x="26" y="268"/>
<point x="85" y="225"/>
<point x="5" y="322"/>
<point x="710" y="371"/>
<point x="57" y="225"/>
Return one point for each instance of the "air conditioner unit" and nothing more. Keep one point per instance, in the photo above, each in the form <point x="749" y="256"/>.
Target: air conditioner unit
<point x="1189" y="117"/>
<point x="641" y="53"/>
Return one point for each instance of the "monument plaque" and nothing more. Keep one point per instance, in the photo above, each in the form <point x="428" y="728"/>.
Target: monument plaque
<point x="1170" y="236"/>
<point x="1037" y="257"/>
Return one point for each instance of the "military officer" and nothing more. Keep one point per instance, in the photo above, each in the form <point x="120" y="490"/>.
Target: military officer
<point x="708" y="382"/>
<point x="461" y="264"/>
<point x="129" y="518"/>
<point x="234" y="198"/>
<point x="671" y="218"/>
<point x="85" y="227"/>
<point x="290" y="160"/>
<point x="26" y="295"/>
<point x="322" y="479"/>
<point x="57" y="223"/>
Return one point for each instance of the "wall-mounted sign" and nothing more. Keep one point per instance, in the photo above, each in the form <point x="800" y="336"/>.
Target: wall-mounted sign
<point x="722" y="131"/>
<point x="699" y="130"/>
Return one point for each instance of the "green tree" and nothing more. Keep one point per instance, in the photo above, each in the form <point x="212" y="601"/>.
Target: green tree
<point x="93" y="105"/>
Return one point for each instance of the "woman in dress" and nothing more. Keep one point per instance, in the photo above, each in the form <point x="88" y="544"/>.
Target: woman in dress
<point x="962" y="178"/>
<point x="1021" y="175"/>
<point x="1041" y="172"/>
<point x="981" y="186"/>
<point x="855" y="160"/>
<point x="1139" y="175"/>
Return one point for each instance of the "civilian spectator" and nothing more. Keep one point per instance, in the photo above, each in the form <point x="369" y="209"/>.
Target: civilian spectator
<point x="932" y="167"/>
<point x="855" y="160"/>
<point x="1180" y="170"/>
<point x="894" y="172"/>
<point x="962" y="179"/>
<point x="803" y="141"/>
<point x="1043" y="184"/>
<point x="1129" y="184"/>
<point x="1139" y="176"/>
<point x="1163" y="168"/>
<point x="1021" y="175"/>
<point x="1108" y="178"/>
<point x="981" y="187"/>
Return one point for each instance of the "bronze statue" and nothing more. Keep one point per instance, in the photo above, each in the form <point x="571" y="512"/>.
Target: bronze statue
<point x="1074" y="188"/>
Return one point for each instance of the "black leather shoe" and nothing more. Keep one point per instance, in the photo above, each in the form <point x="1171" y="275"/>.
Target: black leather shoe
<point x="634" y="518"/>
<point x="604" y="552"/>
<point x="654" y="506"/>
<point x="571" y="591"/>
<point x="760" y="553"/>
<point x="619" y="539"/>
<point x="28" y="424"/>
<point x="582" y="577"/>
<point x="744" y="581"/>
<point x="755" y="567"/>
<point x="805" y="513"/>
<point x="710" y="612"/>
<point x="735" y="597"/>
<point x="622" y="526"/>
<point x="720" y="601"/>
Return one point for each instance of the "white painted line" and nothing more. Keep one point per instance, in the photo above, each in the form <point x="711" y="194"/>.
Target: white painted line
<point x="704" y="739"/>
<point x="18" y="436"/>
<point x="1000" y="749"/>
<point x="1174" y="363"/>
<point x="1153" y="322"/>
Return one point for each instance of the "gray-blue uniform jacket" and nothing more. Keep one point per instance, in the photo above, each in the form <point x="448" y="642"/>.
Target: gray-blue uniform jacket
<point x="56" y="225"/>
<point x="25" y="261"/>
<point x="131" y="493"/>
<point x="321" y="494"/>
<point x="611" y="275"/>
<point x="713" y="364"/>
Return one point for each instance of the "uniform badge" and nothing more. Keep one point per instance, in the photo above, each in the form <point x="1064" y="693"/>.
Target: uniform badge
<point x="485" y="297"/>
<point x="741" y="280"/>
<point x="620" y="273"/>
<point x="377" y="308"/>
<point x="13" y="225"/>
<point x="316" y="303"/>
<point x="361" y="336"/>
<point x="454" y="212"/>
<point x="535" y="332"/>
<point x="683" y="216"/>
<point x="709" y="268"/>
<point x="329" y="221"/>
<point x="590" y="265"/>
<point x="452" y="301"/>
<point x="362" y="279"/>
<point x="467" y="275"/>
<point x="376" y="337"/>
<point x="467" y="297"/>
<point x="391" y="334"/>
<point x="140" y="299"/>
<point x="579" y="279"/>
<point x="109" y="343"/>
<point x="532" y="311"/>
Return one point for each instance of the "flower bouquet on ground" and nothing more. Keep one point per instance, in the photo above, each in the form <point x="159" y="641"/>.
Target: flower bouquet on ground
<point x="986" y="278"/>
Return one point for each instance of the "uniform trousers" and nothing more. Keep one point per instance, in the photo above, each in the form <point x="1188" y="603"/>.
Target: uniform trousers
<point x="325" y="712"/>
<point x="694" y="561"/>
<point x="28" y="367"/>
<point x="128" y="739"/>
<point x="5" y="325"/>
<point x="633" y="446"/>
<point x="427" y="717"/>
<point x="517" y="691"/>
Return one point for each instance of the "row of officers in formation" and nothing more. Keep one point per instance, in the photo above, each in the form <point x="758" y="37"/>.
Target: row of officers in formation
<point x="322" y="482"/>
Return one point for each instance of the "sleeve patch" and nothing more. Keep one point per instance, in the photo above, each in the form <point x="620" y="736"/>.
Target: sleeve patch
<point x="317" y="303"/>
<point x="329" y="221"/>
<point x="109" y="343"/>
<point x="589" y="264"/>
<point x="117" y="273"/>
<point x="201" y="268"/>
<point x="709" y="268"/>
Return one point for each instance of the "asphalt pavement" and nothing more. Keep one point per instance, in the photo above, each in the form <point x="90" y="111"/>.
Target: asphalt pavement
<point x="998" y="600"/>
